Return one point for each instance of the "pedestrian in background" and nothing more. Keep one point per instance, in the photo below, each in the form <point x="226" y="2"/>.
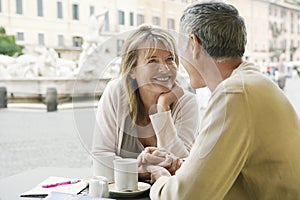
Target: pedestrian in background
<point x="282" y="72"/>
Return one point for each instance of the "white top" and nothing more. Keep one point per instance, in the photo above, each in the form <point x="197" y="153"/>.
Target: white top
<point x="175" y="130"/>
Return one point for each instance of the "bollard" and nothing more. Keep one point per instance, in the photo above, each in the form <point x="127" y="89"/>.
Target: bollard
<point x="3" y="97"/>
<point x="51" y="99"/>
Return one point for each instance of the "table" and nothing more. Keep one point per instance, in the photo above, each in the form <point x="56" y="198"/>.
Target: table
<point x="11" y="187"/>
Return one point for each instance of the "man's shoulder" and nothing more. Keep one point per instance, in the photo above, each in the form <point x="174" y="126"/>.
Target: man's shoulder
<point x="233" y="84"/>
<point x="245" y="75"/>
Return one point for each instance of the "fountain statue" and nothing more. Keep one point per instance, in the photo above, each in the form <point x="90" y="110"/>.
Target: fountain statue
<point x="90" y="61"/>
<point x="42" y="62"/>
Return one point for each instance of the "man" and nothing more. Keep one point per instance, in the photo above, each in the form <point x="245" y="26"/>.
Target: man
<point x="281" y="78"/>
<point x="249" y="141"/>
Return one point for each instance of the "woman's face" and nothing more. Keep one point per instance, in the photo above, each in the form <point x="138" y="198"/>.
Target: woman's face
<point x="155" y="72"/>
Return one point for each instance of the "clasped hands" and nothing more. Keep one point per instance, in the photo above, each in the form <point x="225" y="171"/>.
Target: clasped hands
<point x="155" y="162"/>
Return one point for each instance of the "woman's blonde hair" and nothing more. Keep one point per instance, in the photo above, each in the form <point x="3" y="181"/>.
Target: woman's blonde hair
<point x="147" y="38"/>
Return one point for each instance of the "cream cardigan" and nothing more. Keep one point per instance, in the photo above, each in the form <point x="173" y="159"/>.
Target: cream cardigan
<point x="175" y="130"/>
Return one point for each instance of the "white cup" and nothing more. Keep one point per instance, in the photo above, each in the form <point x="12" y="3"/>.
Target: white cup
<point x="103" y="165"/>
<point x="94" y="188"/>
<point x="126" y="174"/>
<point x="98" y="187"/>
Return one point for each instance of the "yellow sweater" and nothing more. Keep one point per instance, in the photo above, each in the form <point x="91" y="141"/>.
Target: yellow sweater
<point x="248" y="146"/>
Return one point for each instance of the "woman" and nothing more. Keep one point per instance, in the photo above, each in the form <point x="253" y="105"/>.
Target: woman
<point x="145" y="106"/>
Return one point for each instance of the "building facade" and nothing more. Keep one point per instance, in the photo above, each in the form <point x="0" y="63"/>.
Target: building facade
<point x="273" y="25"/>
<point x="63" y="24"/>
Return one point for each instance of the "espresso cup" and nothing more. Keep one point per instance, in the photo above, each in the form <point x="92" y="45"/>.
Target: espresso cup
<point x="126" y="174"/>
<point x="103" y="165"/>
<point x="98" y="187"/>
<point x="94" y="188"/>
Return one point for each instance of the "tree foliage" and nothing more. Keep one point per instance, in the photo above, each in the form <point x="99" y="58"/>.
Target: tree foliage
<point x="2" y="30"/>
<point x="8" y="44"/>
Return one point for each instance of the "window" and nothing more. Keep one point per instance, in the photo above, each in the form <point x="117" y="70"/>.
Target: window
<point x="59" y="10"/>
<point x="75" y="10"/>
<point x="282" y="13"/>
<point x="131" y="19"/>
<point x="283" y="44"/>
<point x="106" y="21"/>
<point x="61" y="42"/>
<point x="156" y="21"/>
<point x="77" y="41"/>
<point x="20" y="36"/>
<point x="41" y="39"/>
<point x="119" y="46"/>
<point x="140" y="19"/>
<point x="171" y="24"/>
<point x="40" y="8"/>
<point x="19" y="6"/>
<point x="92" y="10"/>
<point x="121" y="15"/>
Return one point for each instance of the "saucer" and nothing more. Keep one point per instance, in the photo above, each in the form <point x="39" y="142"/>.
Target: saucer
<point x="142" y="187"/>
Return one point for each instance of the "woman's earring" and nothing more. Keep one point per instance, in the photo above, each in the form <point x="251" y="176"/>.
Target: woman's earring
<point x="132" y="73"/>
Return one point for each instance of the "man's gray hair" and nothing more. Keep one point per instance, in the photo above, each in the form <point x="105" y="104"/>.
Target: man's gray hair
<point x="219" y="28"/>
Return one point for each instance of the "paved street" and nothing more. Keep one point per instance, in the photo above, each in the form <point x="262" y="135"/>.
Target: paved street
<point x="31" y="138"/>
<point x="292" y="91"/>
<point x="35" y="138"/>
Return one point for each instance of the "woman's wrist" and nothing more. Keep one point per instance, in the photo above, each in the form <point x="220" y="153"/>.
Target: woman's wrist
<point x="163" y="108"/>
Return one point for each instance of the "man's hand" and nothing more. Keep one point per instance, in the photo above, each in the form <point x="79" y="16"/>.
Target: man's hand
<point x="156" y="172"/>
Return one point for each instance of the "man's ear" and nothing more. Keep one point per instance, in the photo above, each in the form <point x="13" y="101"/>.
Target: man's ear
<point x="196" y="46"/>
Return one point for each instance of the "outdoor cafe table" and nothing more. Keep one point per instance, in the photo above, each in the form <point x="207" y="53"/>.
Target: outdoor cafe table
<point x="11" y="187"/>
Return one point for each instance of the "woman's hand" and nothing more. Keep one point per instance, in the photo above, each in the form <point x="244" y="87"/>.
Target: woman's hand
<point x="166" y="99"/>
<point x="158" y="157"/>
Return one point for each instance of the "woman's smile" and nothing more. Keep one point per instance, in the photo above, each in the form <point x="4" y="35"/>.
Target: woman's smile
<point x="162" y="79"/>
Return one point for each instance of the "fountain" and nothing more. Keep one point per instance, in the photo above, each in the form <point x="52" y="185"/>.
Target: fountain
<point x="38" y="72"/>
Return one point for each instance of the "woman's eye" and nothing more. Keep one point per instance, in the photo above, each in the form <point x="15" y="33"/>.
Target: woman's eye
<point x="170" y="59"/>
<point x="152" y="61"/>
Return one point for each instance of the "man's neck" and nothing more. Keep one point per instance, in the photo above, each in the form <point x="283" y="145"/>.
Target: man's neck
<point x="227" y="66"/>
<point x="223" y="71"/>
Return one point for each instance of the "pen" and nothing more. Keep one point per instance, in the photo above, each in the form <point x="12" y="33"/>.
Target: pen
<point x="61" y="183"/>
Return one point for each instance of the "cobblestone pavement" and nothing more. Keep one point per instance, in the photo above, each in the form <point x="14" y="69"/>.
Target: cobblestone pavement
<point x="31" y="138"/>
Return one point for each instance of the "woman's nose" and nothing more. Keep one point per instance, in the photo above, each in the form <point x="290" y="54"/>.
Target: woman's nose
<point x="163" y="68"/>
